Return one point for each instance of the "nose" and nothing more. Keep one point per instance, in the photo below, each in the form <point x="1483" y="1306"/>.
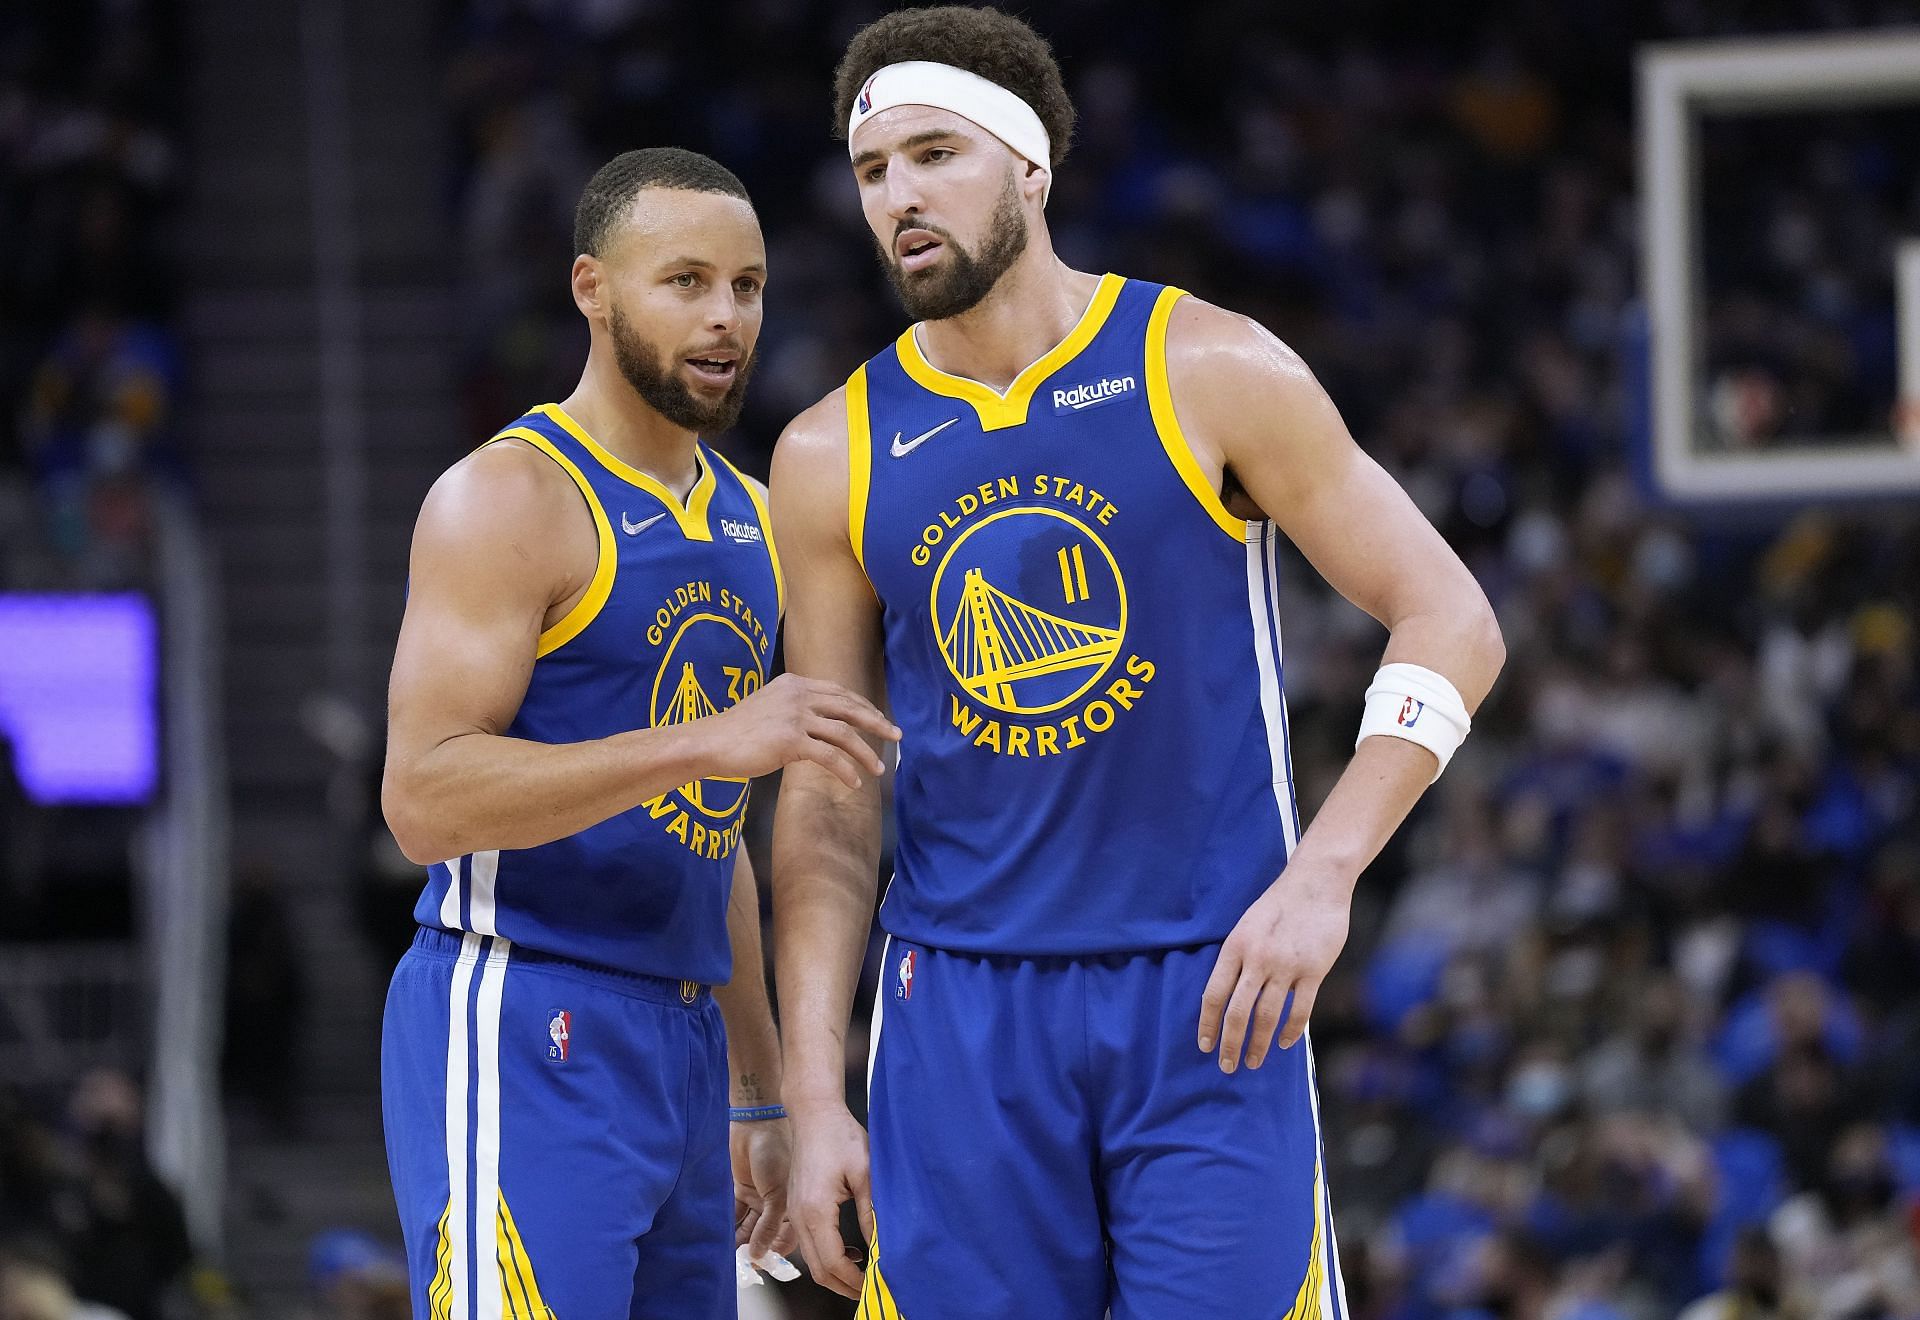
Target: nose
<point x="723" y="309"/>
<point x="903" y="190"/>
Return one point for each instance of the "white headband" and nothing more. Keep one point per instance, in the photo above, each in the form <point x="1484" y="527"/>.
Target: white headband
<point x="986" y="103"/>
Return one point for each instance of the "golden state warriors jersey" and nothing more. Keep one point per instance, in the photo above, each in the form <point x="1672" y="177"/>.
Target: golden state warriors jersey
<point x="677" y="623"/>
<point x="1082" y="650"/>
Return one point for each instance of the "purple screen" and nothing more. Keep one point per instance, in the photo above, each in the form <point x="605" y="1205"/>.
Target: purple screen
<point x="78" y="677"/>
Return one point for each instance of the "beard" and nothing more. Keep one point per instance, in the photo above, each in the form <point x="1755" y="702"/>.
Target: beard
<point x="959" y="283"/>
<point x="653" y="378"/>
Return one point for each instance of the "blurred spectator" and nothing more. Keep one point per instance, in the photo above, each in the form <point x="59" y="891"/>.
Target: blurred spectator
<point x="82" y="1212"/>
<point x="354" y="1277"/>
<point x="1846" y="1250"/>
<point x="1651" y="1066"/>
<point x="88" y="369"/>
<point x="266" y="998"/>
<point x="1754" y="1290"/>
<point x="34" y="1286"/>
<point x="127" y="1229"/>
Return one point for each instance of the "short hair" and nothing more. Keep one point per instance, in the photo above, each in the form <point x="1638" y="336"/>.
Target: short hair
<point x="999" y="47"/>
<point x="611" y="190"/>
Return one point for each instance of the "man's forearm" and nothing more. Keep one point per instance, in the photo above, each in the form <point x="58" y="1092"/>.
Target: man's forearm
<point x="482" y="791"/>
<point x="753" y="1044"/>
<point x="1368" y="803"/>
<point x="1387" y="775"/>
<point x="826" y="848"/>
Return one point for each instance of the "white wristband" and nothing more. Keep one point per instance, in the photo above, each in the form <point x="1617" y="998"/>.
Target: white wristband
<point x="1414" y="703"/>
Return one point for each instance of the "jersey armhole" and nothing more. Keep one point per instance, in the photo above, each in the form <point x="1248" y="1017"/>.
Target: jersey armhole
<point x="859" y="464"/>
<point x="1167" y="425"/>
<point x="575" y="621"/>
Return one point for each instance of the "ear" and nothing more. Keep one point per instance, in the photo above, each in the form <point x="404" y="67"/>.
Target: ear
<point x="1035" y="182"/>
<point x="589" y="287"/>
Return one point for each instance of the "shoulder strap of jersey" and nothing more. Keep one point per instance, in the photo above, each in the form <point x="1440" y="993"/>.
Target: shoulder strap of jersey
<point x="530" y="430"/>
<point x="754" y="493"/>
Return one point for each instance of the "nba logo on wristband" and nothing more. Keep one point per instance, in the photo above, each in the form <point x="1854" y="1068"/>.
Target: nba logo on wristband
<point x="1410" y="712"/>
<point x="905" y="989"/>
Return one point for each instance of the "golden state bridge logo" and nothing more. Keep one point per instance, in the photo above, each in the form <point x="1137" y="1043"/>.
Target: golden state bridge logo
<point x="1029" y="610"/>
<point x="712" y="660"/>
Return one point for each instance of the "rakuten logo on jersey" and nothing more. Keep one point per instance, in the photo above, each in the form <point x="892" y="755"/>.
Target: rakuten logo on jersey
<point x="1093" y="394"/>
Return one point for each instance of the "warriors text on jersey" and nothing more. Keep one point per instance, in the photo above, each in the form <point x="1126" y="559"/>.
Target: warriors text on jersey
<point x="678" y="622"/>
<point x="1081" y="647"/>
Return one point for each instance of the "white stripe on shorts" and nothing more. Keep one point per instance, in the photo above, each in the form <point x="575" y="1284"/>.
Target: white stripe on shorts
<point x="459" y="1304"/>
<point x="488" y="1302"/>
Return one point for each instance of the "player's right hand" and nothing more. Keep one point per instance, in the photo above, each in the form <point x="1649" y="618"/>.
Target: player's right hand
<point x="802" y="719"/>
<point x="829" y="1168"/>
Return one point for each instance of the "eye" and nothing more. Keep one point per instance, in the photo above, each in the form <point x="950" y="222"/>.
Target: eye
<point x="939" y="154"/>
<point x="686" y="279"/>
<point x="747" y="284"/>
<point x="873" y="174"/>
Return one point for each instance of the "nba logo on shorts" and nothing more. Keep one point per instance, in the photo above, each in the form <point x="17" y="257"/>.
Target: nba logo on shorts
<point x="905" y="989"/>
<point x="1410" y="712"/>
<point x="559" y="1035"/>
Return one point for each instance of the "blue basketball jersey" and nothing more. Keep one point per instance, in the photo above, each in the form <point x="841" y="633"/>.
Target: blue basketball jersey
<point x="677" y="623"/>
<point x="1082" y="650"/>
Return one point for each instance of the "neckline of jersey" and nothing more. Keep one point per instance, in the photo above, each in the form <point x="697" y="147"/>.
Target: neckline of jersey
<point x="999" y="410"/>
<point x="691" y="515"/>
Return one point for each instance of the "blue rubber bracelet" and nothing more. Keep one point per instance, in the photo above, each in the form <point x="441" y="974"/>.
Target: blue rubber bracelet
<point x="755" y="1114"/>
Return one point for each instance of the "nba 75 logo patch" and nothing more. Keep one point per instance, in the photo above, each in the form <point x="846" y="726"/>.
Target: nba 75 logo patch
<point x="904" y="990"/>
<point x="559" y="1035"/>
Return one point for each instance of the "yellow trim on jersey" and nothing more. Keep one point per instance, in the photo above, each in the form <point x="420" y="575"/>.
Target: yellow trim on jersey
<point x="519" y="1290"/>
<point x="876" y="1298"/>
<point x="601" y="587"/>
<point x="440" y="1291"/>
<point x="859" y="464"/>
<point x="1172" y="438"/>
<point x="752" y="488"/>
<point x="1306" y="1302"/>
<point x="692" y="516"/>
<point x="999" y="411"/>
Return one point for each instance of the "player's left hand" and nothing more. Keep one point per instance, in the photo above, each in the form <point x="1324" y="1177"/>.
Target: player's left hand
<point x="1286" y="942"/>
<point x="762" y="1157"/>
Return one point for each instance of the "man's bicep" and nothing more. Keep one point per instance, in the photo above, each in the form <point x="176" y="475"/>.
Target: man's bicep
<point x="1359" y="529"/>
<point x="1264" y="417"/>
<point x="833" y="618"/>
<point x="469" y="634"/>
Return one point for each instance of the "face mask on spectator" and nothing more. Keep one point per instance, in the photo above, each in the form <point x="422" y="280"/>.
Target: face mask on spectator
<point x="1538" y="1089"/>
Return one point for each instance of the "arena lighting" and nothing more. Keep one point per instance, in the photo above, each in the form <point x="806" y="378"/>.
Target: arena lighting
<point x="1678" y="84"/>
<point x="79" y="681"/>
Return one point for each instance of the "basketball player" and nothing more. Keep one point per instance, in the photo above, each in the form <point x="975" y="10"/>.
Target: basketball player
<point x="1048" y="515"/>
<point x="578" y="702"/>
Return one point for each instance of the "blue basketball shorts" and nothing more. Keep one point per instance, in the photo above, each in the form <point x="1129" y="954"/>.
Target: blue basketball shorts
<point x="1048" y="1140"/>
<point x="557" y="1136"/>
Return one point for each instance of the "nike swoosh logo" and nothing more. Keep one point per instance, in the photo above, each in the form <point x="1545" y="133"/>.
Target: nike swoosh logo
<point x="901" y="450"/>
<point x="632" y="528"/>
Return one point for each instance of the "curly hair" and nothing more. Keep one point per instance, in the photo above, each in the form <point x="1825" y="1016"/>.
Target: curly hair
<point x="997" y="46"/>
<point x="614" y="185"/>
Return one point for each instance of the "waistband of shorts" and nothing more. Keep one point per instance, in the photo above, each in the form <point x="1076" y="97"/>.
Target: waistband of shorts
<point x="438" y="943"/>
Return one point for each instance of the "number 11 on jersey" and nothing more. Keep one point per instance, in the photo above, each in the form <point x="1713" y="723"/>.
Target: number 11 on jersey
<point x="1073" y="574"/>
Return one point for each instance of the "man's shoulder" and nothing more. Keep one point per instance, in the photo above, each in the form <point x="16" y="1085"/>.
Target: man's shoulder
<point x="1216" y="353"/>
<point x="500" y="507"/>
<point x="819" y="431"/>
<point x="509" y="474"/>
